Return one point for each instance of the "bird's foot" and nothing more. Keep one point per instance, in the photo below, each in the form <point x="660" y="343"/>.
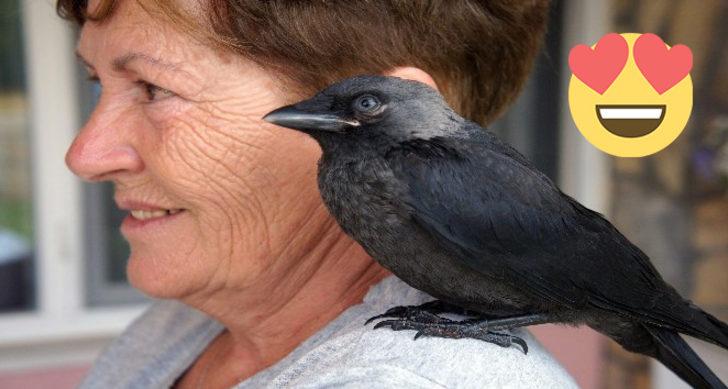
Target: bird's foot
<point x="434" y="307"/>
<point x="426" y="321"/>
<point x="430" y="325"/>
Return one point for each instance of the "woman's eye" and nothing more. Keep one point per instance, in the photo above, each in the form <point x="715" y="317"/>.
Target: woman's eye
<point x="153" y="92"/>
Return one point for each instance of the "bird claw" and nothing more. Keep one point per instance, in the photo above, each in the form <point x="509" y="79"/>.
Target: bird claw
<point x="419" y="318"/>
<point x="425" y="320"/>
<point x="445" y="328"/>
<point x="402" y="312"/>
<point x="520" y="342"/>
<point x="412" y="311"/>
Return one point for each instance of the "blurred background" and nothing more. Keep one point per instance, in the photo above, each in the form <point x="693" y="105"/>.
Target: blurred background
<point x="63" y="290"/>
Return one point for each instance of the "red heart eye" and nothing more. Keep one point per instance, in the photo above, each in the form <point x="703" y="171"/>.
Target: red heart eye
<point x="662" y="67"/>
<point x="599" y="68"/>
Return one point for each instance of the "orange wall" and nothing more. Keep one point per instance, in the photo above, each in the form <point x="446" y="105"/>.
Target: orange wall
<point x="579" y="349"/>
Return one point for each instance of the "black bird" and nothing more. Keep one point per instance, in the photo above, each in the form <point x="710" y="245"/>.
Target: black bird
<point x="455" y="212"/>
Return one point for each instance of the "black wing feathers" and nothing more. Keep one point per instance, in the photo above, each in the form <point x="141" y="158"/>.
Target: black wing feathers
<point x="505" y="219"/>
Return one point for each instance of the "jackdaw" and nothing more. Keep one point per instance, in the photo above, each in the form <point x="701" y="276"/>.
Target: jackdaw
<point x="457" y="213"/>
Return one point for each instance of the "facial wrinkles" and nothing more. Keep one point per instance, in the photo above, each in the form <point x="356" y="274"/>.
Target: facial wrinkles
<point x="227" y="133"/>
<point x="219" y="221"/>
<point x="208" y="153"/>
<point x="207" y="156"/>
<point x="234" y="212"/>
<point x="235" y="200"/>
<point x="172" y="68"/>
<point x="123" y="102"/>
<point x="194" y="136"/>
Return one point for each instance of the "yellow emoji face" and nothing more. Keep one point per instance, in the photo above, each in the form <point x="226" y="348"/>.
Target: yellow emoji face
<point x="630" y="94"/>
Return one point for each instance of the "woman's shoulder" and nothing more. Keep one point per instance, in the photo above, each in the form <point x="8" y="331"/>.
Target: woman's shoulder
<point x="349" y="354"/>
<point x="154" y="349"/>
<point x="384" y="357"/>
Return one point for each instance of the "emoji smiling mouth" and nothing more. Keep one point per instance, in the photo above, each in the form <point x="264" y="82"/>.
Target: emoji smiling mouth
<point x="630" y="121"/>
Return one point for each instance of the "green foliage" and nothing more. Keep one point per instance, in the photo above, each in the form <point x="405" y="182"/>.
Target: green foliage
<point x="17" y="215"/>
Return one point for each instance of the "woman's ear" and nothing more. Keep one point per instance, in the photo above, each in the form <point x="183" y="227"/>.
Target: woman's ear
<point x="413" y="73"/>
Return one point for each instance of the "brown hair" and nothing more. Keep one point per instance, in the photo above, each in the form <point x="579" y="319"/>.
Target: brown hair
<point x="479" y="52"/>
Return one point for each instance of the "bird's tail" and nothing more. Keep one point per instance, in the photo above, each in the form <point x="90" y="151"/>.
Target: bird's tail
<point x="677" y="355"/>
<point x="713" y="330"/>
<point x="690" y="319"/>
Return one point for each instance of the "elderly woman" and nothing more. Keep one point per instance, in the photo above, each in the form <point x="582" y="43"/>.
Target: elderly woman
<point x="257" y="285"/>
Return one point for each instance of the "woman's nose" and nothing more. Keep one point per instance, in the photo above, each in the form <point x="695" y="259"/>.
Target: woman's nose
<point x="103" y="149"/>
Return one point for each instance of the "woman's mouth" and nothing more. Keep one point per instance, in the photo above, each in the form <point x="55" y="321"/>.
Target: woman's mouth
<point x="147" y="220"/>
<point x="146" y="215"/>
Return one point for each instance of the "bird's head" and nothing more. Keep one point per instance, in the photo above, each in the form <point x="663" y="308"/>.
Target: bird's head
<point x="366" y="108"/>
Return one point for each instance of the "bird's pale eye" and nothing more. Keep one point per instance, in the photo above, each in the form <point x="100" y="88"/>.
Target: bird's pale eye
<point x="367" y="103"/>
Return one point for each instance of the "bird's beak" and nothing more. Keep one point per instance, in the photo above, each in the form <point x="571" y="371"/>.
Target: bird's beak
<point x="297" y="119"/>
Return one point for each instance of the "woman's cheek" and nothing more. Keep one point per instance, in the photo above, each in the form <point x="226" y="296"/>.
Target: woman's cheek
<point x="194" y="158"/>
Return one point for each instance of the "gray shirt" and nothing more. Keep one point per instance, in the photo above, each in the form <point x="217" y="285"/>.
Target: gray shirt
<point x="162" y="343"/>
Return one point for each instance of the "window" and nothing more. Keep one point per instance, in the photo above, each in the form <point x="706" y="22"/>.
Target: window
<point x="674" y="204"/>
<point x="46" y="296"/>
<point x="16" y="216"/>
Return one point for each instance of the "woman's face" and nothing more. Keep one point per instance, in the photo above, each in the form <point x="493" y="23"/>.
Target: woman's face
<point x="178" y="127"/>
